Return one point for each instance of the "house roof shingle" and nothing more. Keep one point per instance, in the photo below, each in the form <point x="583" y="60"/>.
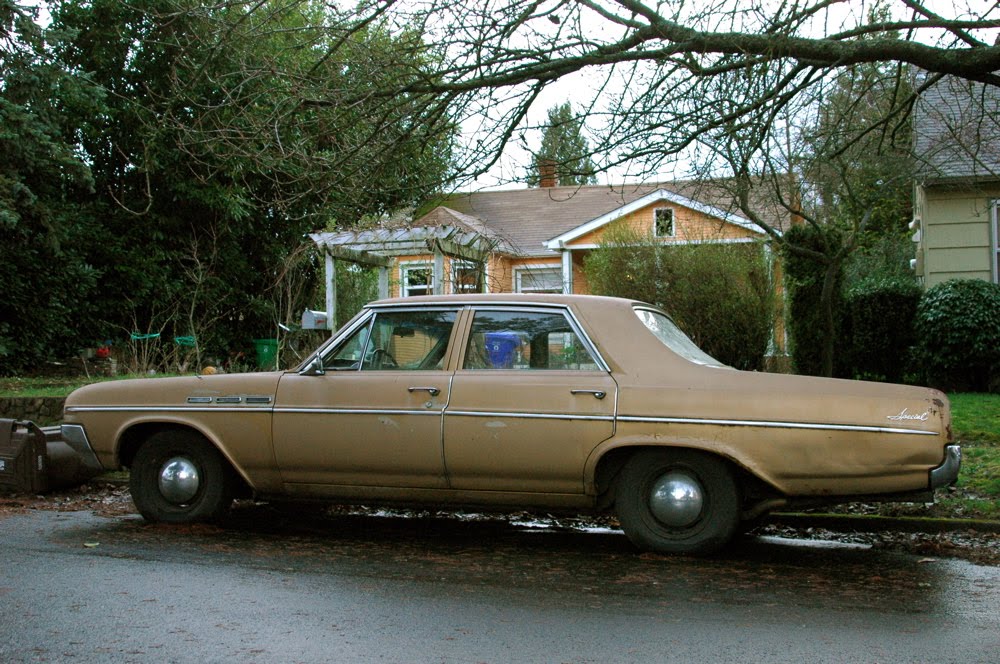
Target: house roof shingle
<point x="956" y="129"/>
<point x="527" y="218"/>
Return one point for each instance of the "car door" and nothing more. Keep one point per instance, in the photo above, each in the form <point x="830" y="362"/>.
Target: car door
<point x="373" y="416"/>
<point x="530" y="401"/>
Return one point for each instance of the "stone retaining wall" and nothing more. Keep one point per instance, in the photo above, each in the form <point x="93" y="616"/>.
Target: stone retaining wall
<point x="43" y="411"/>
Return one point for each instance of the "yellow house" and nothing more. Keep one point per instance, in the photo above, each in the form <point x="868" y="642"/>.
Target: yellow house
<point x="957" y="190"/>
<point x="534" y="240"/>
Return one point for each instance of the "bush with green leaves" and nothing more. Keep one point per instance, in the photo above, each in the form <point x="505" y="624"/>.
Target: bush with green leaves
<point x="878" y="327"/>
<point x="721" y="295"/>
<point x="958" y="336"/>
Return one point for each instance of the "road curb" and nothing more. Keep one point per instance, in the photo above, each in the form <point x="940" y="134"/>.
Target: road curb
<point x="865" y="523"/>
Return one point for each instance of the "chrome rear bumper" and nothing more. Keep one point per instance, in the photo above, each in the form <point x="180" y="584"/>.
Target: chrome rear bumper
<point x="947" y="472"/>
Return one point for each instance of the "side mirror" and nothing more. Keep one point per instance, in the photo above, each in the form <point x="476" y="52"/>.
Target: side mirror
<point x="314" y="368"/>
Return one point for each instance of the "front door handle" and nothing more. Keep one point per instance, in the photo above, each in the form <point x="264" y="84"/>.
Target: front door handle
<point x="433" y="390"/>
<point x="598" y="394"/>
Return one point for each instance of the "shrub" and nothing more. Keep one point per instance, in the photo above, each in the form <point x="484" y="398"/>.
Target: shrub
<point x="720" y="294"/>
<point x="958" y="335"/>
<point x="878" y="327"/>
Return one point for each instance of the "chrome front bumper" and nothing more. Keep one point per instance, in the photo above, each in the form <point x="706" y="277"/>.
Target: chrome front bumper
<point x="947" y="472"/>
<point x="76" y="438"/>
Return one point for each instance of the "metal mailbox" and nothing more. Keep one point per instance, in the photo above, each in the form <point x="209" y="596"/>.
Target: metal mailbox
<point x="315" y="320"/>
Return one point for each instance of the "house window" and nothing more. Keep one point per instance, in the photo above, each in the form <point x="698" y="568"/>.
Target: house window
<point x="538" y="280"/>
<point x="995" y="241"/>
<point x="664" y="220"/>
<point x="466" y="277"/>
<point x="417" y="279"/>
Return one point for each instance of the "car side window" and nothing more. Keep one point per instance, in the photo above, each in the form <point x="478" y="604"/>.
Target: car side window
<point x="525" y="340"/>
<point x="397" y="340"/>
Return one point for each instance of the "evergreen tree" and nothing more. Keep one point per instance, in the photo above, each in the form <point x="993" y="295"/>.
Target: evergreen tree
<point x="565" y="149"/>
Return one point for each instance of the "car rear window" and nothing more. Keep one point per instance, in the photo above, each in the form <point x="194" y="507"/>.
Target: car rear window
<point x="671" y="336"/>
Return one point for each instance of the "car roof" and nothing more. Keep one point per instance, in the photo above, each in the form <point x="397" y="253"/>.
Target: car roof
<point x="503" y="298"/>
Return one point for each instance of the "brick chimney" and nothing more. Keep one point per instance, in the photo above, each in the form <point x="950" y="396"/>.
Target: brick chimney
<point x="547" y="173"/>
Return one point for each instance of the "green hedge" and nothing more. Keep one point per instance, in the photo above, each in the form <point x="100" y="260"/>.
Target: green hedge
<point x="878" y="328"/>
<point x="957" y="331"/>
<point x="719" y="294"/>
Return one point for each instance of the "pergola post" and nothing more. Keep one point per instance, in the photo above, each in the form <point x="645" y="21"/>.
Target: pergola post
<point x="331" y="291"/>
<point x="567" y="271"/>
<point x="437" y="280"/>
<point x="383" y="282"/>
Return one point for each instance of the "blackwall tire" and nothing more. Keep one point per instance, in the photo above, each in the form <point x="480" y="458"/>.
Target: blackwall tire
<point x="678" y="501"/>
<point x="179" y="477"/>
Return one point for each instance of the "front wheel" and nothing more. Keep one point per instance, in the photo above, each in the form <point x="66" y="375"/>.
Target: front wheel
<point x="677" y="501"/>
<point x="178" y="477"/>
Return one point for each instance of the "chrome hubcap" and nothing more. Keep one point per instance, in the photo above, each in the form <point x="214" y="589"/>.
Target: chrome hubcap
<point x="179" y="480"/>
<point x="676" y="499"/>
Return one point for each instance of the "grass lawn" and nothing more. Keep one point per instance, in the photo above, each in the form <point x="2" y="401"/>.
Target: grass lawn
<point x="976" y="417"/>
<point x="976" y="423"/>
<point x="51" y="386"/>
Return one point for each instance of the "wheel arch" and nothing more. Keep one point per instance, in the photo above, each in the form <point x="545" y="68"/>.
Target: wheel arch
<point x="132" y="438"/>
<point x="606" y="464"/>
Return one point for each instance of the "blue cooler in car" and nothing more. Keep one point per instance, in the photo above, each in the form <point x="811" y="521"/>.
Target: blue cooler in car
<point x="500" y="348"/>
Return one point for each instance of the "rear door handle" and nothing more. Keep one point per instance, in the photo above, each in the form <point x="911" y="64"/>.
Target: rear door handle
<point x="598" y="394"/>
<point x="433" y="390"/>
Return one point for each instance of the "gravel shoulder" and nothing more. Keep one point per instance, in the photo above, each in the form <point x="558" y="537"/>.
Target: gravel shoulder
<point x="975" y="541"/>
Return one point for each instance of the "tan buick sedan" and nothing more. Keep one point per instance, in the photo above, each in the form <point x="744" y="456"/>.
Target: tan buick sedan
<point x="548" y="401"/>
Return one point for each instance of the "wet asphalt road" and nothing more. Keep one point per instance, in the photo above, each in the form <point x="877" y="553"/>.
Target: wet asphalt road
<point x="264" y="587"/>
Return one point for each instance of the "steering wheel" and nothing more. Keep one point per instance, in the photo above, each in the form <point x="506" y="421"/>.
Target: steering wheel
<point x="383" y="359"/>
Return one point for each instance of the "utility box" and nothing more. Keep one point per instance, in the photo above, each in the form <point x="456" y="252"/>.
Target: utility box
<point x="23" y="457"/>
<point x="315" y="320"/>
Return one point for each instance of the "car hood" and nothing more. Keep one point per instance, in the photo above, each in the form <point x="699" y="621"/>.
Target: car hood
<point x="184" y="390"/>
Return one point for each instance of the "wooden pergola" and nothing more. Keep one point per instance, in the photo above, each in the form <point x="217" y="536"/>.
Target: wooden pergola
<point x="378" y="248"/>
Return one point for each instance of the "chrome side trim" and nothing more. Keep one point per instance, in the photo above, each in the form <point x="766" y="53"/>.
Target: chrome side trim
<point x="164" y="409"/>
<point x="774" y="425"/>
<point x="357" y="411"/>
<point x="947" y="473"/>
<point x="532" y="416"/>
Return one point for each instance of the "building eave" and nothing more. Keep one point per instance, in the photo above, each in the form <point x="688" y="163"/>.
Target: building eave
<point x="561" y="241"/>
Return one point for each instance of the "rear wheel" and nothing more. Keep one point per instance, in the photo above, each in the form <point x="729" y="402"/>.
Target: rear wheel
<point x="178" y="477"/>
<point x="677" y="501"/>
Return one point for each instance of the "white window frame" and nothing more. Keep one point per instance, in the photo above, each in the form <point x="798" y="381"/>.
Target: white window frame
<point x="995" y="240"/>
<point x="462" y="264"/>
<point x="521" y="270"/>
<point x="404" y="271"/>
<point x="656" y="224"/>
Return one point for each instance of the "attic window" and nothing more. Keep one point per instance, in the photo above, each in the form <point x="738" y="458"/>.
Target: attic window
<point x="664" y="218"/>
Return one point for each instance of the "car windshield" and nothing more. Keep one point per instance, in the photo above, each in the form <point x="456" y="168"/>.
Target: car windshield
<point x="671" y="337"/>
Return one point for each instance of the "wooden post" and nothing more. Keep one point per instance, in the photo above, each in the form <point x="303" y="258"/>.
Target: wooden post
<point x="331" y="291"/>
